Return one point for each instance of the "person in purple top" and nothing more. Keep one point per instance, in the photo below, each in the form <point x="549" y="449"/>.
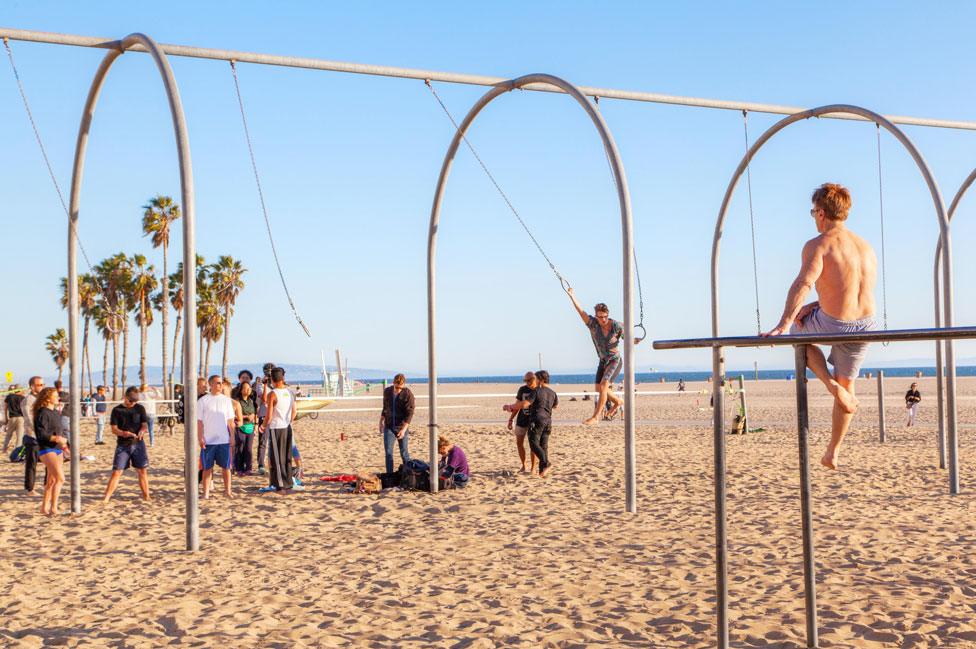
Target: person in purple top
<point x="452" y="458"/>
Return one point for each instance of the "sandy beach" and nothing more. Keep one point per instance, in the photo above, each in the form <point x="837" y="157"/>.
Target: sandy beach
<point x="515" y="560"/>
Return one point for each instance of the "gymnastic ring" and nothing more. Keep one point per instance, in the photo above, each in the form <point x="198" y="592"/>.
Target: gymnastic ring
<point x="638" y="339"/>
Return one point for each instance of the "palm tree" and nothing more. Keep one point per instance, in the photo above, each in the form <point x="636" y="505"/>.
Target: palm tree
<point x="159" y="214"/>
<point x="101" y="324"/>
<point x="176" y="291"/>
<point x="228" y="279"/>
<point x="143" y="283"/>
<point x="57" y="346"/>
<point x="87" y="294"/>
<point x="211" y="330"/>
<point x="204" y="306"/>
<point x="114" y="274"/>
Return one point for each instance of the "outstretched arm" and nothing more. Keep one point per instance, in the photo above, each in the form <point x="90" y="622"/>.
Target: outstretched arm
<point x="583" y="314"/>
<point x="810" y="271"/>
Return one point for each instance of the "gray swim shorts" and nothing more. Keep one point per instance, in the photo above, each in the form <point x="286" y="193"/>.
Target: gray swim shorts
<point x="846" y="358"/>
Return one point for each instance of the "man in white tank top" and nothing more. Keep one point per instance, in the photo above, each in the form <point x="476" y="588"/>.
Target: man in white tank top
<point x="281" y="413"/>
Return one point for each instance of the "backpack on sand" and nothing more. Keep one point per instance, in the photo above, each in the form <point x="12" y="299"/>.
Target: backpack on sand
<point x="415" y="476"/>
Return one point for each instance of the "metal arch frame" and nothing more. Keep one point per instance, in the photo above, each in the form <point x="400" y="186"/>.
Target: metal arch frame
<point x="718" y="362"/>
<point x="623" y="197"/>
<point x="939" y="365"/>
<point x="189" y="271"/>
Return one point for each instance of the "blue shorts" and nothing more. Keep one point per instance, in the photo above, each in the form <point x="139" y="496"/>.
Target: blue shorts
<point x="45" y="451"/>
<point x="218" y="454"/>
<point x="133" y="455"/>
<point x="294" y="453"/>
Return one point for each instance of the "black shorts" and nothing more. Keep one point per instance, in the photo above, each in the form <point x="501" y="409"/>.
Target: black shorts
<point x="608" y="369"/>
<point x="133" y="455"/>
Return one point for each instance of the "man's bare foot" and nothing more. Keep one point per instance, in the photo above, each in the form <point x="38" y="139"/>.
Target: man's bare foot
<point x="522" y="470"/>
<point x="613" y="411"/>
<point x="829" y="460"/>
<point x="228" y="494"/>
<point x="105" y="501"/>
<point x="846" y="400"/>
<point x="30" y="493"/>
<point x="545" y="472"/>
<point x="147" y="499"/>
<point x="590" y="421"/>
<point x="206" y="495"/>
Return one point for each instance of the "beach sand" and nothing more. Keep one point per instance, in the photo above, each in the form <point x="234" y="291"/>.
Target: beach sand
<point x="515" y="560"/>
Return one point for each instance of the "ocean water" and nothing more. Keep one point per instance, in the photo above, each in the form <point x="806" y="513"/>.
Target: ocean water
<point x="655" y="377"/>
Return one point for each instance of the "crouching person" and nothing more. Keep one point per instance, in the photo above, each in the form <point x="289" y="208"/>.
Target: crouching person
<point x="453" y="466"/>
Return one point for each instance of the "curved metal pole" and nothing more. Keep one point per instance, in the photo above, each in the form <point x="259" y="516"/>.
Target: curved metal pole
<point x="189" y="273"/>
<point x="718" y="361"/>
<point x="939" y="367"/>
<point x="623" y="197"/>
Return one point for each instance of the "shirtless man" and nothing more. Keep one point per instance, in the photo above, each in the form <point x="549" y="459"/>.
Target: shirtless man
<point x="843" y="268"/>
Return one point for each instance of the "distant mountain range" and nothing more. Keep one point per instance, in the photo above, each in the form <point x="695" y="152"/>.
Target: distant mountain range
<point x="294" y="373"/>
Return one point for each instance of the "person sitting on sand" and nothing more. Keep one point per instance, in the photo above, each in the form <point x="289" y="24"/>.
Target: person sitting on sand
<point x="540" y="403"/>
<point x="607" y="335"/>
<point x="843" y="268"/>
<point x="130" y="423"/>
<point x="51" y="444"/>
<point x="215" y="428"/>
<point x="520" y="418"/>
<point x="453" y="462"/>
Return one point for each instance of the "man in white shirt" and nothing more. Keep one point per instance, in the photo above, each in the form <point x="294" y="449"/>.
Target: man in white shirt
<point x="147" y="398"/>
<point x="215" y="429"/>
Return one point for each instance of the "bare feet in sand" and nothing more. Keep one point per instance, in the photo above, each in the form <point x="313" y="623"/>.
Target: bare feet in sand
<point x="829" y="460"/>
<point x="846" y="400"/>
<point x="613" y="411"/>
<point x="545" y="472"/>
<point x="590" y="421"/>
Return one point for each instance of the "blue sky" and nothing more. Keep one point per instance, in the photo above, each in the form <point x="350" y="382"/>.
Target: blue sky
<point x="349" y="165"/>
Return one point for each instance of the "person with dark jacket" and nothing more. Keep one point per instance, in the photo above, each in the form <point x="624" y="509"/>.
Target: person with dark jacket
<point x="51" y="444"/>
<point x="398" y="407"/>
<point x="13" y="406"/>
<point x="540" y="404"/>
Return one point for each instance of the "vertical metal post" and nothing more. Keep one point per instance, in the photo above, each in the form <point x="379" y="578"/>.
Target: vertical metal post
<point x="881" y="407"/>
<point x="803" y="429"/>
<point x="74" y="366"/>
<point x="721" y="536"/>
<point x="742" y="401"/>
<point x="939" y="364"/>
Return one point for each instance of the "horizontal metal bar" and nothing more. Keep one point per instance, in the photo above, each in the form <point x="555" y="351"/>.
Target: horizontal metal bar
<point x="894" y="335"/>
<point x="450" y="77"/>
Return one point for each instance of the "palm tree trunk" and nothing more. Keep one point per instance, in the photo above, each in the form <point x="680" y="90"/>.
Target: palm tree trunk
<point x="201" y="371"/>
<point x="164" y="307"/>
<point x="143" y="331"/>
<point x="60" y="370"/>
<point x="223" y="365"/>
<point x="125" y="351"/>
<point x="206" y="361"/>
<point x="176" y="336"/>
<point x="115" y="367"/>
<point x="86" y="357"/>
<point x="105" y="364"/>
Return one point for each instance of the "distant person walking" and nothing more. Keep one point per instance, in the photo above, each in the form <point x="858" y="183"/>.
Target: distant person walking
<point x="215" y="429"/>
<point x="398" y="407"/>
<point x="100" y="409"/>
<point x="281" y="414"/>
<point x="130" y="423"/>
<point x="147" y="399"/>
<point x="521" y="418"/>
<point x="912" y="398"/>
<point x="540" y="403"/>
<point x="13" y="410"/>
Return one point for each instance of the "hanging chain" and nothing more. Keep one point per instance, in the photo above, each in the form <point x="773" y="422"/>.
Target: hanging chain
<point x="884" y="287"/>
<point x="562" y="281"/>
<point x="752" y="222"/>
<point x="113" y="317"/>
<point x="264" y="209"/>
<point x="640" y="291"/>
